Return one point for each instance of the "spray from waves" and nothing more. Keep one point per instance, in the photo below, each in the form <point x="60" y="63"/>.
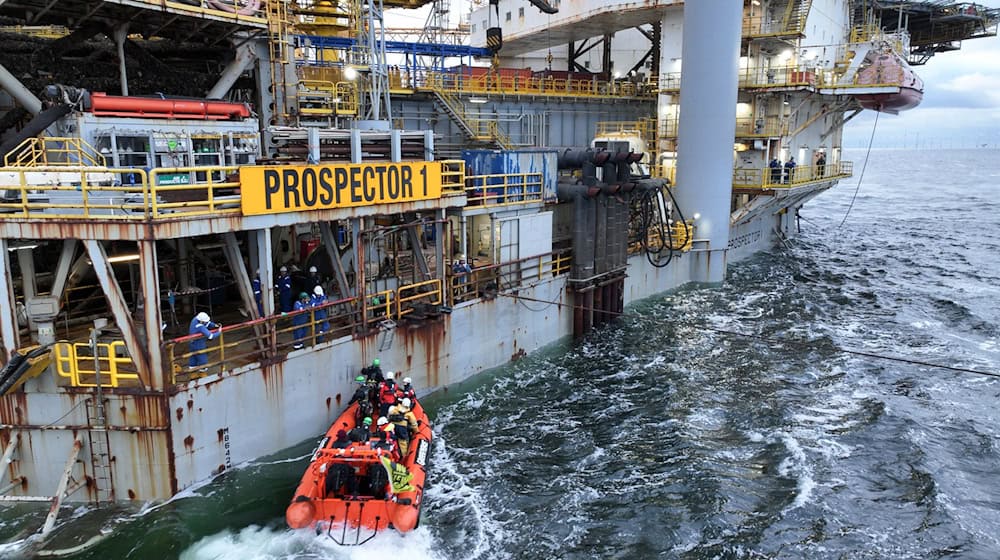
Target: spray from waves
<point x="271" y="543"/>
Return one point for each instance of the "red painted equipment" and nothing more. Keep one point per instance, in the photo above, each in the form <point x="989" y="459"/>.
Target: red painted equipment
<point x="105" y="105"/>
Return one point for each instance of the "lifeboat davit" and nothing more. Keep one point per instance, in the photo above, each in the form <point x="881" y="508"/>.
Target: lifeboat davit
<point x="355" y="492"/>
<point x="889" y="70"/>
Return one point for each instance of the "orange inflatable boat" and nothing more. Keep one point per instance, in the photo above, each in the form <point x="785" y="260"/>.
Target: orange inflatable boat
<point x="357" y="491"/>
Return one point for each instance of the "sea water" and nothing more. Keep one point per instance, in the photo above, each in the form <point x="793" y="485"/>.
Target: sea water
<point x="666" y="435"/>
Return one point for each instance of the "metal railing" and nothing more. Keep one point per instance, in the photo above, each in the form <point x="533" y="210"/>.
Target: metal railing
<point x="75" y="361"/>
<point x="487" y="281"/>
<point x="778" y="178"/>
<point x="503" y="189"/>
<point x="491" y="83"/>
<point x="78" y="192"/>
<point x="53" y="151"/>
<point x="452" y="176"/>
<point x="253" y="341"/>
<point x="326" y="98"/>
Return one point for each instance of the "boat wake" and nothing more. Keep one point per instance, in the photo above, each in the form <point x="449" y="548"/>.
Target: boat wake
<point x="278" y="543"/>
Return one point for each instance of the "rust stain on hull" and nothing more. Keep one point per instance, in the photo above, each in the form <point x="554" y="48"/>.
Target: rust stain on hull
<point x="428" y="337"/>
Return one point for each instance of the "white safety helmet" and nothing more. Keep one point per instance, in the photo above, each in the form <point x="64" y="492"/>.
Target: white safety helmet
<point x="318" y="290"/>
<point x="406" y="403"/>
<point x="407" y="381"/>
<point x="390" y="375"/>
<point x="382" y="420"/>
<point x="203" y="317"/>
<point x="283" y="269"/>
<point x="312" y="269"/>
<point x="461" y="257"/>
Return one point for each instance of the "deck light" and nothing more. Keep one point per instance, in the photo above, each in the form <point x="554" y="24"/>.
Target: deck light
<point x="350" y="73"/>
<point x="477" y="100"/>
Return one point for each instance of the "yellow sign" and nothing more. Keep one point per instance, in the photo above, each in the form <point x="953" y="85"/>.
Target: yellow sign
<point x="292" y="188"/>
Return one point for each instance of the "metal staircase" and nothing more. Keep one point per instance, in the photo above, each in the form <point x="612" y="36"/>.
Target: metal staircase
<point x="477" y="130"/>
<point x="796" y="14"/>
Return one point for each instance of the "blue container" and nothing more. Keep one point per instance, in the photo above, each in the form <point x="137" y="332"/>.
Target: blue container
<point x="502" y="162"/>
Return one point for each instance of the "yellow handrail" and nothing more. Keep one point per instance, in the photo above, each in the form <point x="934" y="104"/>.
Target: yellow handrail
<point x="404" y="296"/>
<point x="75" y="361"/>
<point x="54" y="151"/>
<point x="504" y="189"/>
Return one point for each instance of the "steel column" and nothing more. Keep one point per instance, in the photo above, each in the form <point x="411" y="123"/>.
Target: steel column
<point x="21" y="94"/>
<point x="232" y="251"/>
<point x="395" y="146"/>
<point x="359" y="268"/>
<point x="711" y="47"/>
<point x="50" y="519"/>
<point x="119" y="310"/>
<point x="184" y="274"/>
<point x="62" y="269"/>
<point x="333" y="252"/>
<point x="244" y="57"/>
<point x="27" y="263"/>
<point x="440" y="244"/>
<point x="150" y="280"/>
<point x="417" y="248"/>
<point x="429" y="145"/>
<point x="8" y="317"/>
<point x="121" y="33"/>
<point x="266" y="268"/>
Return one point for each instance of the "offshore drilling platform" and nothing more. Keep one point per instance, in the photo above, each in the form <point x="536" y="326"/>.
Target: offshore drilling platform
<point x="460" y="197"/>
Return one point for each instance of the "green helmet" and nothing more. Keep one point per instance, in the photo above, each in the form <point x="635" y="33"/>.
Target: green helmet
<point x="303" y="295"/>
<point x="367" y="421"/>
<point x="375" y="362"/>
<point x="360" y="379"/>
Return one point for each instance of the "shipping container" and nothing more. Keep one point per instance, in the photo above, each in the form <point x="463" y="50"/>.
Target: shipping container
<point x="533" y="166"/>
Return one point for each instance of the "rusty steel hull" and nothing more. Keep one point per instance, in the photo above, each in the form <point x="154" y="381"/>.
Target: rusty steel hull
<point x="161" y="443"/>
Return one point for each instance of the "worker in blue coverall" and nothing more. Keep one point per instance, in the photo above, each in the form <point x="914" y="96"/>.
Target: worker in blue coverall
<point x="257" y="294"/>
<point x="301" y="319"/>
<point x="201" y="324"/>
<point x="318" y="299"/>
<point x="284" y="287"/>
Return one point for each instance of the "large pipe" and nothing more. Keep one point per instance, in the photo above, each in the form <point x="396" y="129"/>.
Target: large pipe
<point x="710" y="50"/>
<point x="152" y="107"/>
<point x="244" y="57"/>
<point x="16" y="89"/>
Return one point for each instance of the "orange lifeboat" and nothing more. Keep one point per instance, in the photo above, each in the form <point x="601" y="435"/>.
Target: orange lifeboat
<point x="355" y="492"/>
<point x="888" y="69"/>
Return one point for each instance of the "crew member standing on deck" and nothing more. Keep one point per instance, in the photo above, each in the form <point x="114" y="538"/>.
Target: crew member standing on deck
<point x="301" y="319"/>
<point x="314" y="278"/>
<point x="284" y="287"/>
<point x="257" y="294"/>
<point x="201" y="325"/>
<point x="775" y="166"/>
<point x="790" y="170"/>
<point x="317" y="300"/>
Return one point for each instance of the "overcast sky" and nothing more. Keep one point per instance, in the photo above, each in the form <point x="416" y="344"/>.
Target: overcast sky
<point x="961" y="106"/>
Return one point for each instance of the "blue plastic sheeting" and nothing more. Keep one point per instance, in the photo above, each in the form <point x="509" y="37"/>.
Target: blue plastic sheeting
<point x="497" y="162"/>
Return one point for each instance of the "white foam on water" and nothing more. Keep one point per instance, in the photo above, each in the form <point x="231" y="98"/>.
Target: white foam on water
<point x="796" y="465"/>
<point x="265" y="543"/>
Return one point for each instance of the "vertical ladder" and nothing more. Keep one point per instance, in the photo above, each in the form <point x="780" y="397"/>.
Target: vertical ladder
<point x="100" y="453"/>
<point x="277" y="44"/>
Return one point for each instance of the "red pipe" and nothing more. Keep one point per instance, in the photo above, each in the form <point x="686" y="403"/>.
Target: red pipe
<point x="102" y="104"/>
